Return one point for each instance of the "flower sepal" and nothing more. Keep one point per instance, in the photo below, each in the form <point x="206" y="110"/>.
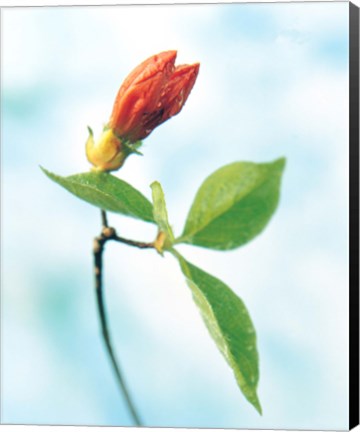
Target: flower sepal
<point x="133" y="147"/>
<point x="109" y="152"/>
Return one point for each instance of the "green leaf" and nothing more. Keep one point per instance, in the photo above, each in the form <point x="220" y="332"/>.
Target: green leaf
<point x="233" y="205"/>
<point x="229" y="324"/>
<point x="160" y="212"/>
<point x="107" y="192"/>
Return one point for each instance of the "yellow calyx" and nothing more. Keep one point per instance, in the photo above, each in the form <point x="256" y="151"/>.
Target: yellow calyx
<point x="108" y="153"/>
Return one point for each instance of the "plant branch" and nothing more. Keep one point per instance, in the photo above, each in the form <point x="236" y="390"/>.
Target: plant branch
<point x="104" y="219"/>
<point x="106" y="235"/>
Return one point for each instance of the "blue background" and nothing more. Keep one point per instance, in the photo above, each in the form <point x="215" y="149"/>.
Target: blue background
<point x="273" y="82"/>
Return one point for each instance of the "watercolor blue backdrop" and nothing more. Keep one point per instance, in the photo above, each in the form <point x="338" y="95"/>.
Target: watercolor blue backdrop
<point x="273" y="82"/>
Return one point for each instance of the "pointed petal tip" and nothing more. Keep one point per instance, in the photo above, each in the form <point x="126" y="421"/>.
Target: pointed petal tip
<point x="169" y="53"/>
<point x="165" y="57"/>
<point x="187" y="69"/>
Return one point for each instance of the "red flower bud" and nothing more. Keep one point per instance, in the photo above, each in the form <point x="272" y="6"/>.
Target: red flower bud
<point x="152" y="93"/>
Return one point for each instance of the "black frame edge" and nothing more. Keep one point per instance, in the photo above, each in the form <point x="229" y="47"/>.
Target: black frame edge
<point x="354" y="215"/>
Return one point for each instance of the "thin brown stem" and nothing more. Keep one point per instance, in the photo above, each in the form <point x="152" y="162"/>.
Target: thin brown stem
<point x="109" y="233"/>
<point x="106" y="235"/>
<point x="104" y="219"/>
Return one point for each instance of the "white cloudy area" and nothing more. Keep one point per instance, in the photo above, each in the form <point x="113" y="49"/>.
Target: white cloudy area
<point x="273" y="82"/>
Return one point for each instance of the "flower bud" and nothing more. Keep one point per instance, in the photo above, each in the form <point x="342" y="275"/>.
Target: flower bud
<point x="152" y="93"/>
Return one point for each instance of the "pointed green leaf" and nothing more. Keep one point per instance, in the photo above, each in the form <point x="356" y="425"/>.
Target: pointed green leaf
<point x="107" y="192"/>
<point x="229" y="324"/>
<point x="160" y="212"/>
<point x="233" y="205"/>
